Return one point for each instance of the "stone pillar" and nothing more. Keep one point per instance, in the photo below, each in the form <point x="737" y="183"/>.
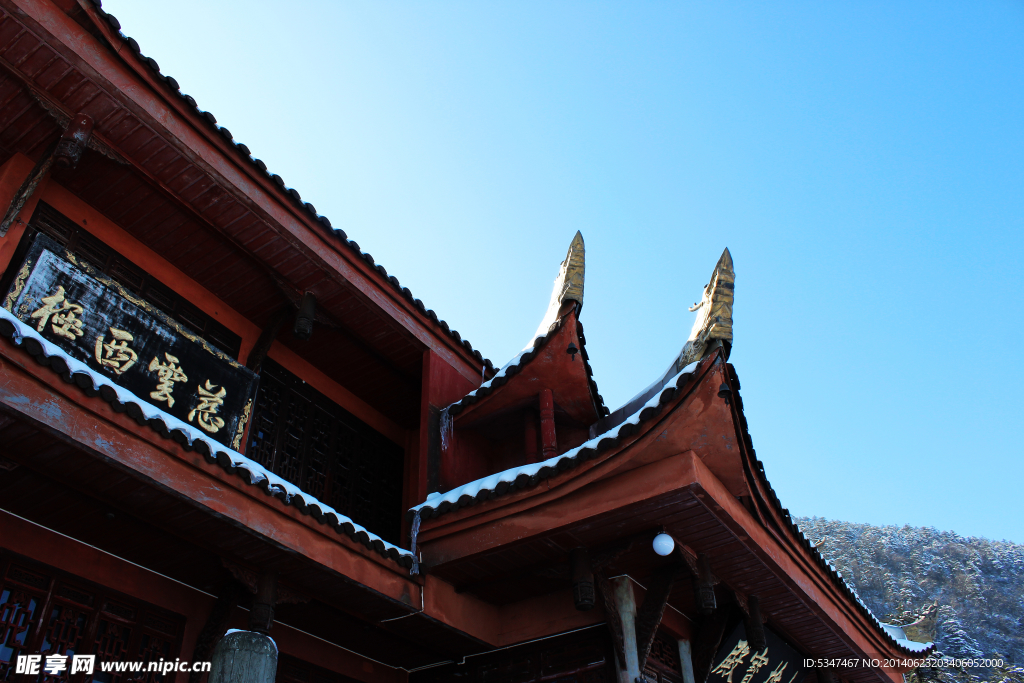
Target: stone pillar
<point x="625" y="604"/>
<point x="686" y="661"/>
<point x="244" y="657"/>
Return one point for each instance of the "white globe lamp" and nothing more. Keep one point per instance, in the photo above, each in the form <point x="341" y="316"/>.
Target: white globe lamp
<point x="664" y="544"/>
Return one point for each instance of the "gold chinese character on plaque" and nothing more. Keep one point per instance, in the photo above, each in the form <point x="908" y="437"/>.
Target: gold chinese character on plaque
<point x="170" y="374"/>
<point x="759" y="660"/>
<point x="61" y="314"/>
<point x="115" y="354"/>
<point x="776" y="675"/>
<point x="209" y="401"/>
<point x="727" y="666"/>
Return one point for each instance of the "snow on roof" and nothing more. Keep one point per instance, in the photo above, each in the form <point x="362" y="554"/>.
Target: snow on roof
<point x="187" y="435"/>
<point x="895" y="633"/>
<point x="525" y="475"/>
<point x="561" y="291"/>
<point x="528" y="475"/>
<point x="900" y="636"/>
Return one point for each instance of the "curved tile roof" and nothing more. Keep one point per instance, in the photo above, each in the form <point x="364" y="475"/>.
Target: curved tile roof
<point x="289" y="194"/>
<point x="568" y="286"/>
<point x="527" y="476"/>
<point x="188" y="437"/>
<point x="516" y="365"/>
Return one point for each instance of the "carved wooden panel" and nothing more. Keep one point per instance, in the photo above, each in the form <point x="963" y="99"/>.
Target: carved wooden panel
<point x="45" y="612"/>
<point x="663" y="662"/>
<point x="307" y="439"/>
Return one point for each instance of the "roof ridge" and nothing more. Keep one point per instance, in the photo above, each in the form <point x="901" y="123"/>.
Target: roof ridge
<point x="289" y="193"/>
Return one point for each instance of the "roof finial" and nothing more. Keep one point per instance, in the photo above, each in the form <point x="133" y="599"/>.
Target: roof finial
<point x="714" y="317"/>
<point x="568" y="285"/>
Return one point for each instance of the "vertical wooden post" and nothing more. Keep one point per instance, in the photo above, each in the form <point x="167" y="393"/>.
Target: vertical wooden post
<point x="259" y="351"/>
<point x="686" y="661"/>
<point x="625" y="604"/>
<point x="549" y="444"/>
<point x="530" y="435"/>
<point x="13" y="174"/>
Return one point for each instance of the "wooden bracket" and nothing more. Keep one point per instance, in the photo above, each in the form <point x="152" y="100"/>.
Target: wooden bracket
<point x="708" y="638"/>
<point x="582" y="579"/>
<point x="755" y="625"/>
<point x="648" y="617"/>
<point x="754" y="620"/>
<point x="65" y="152"/>
<point x="704" y="585"/>
<point x="266" y="339"/>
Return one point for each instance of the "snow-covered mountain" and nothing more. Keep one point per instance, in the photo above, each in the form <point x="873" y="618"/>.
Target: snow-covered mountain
<point x="977" y="584"/>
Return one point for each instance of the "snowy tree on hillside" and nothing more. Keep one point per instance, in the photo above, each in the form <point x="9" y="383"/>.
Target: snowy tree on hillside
<point x="978" y="585"/>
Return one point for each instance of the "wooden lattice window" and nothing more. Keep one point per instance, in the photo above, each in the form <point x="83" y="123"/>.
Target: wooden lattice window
<point x="107" y="261"/>
<point x="45" y="612"/>
<point x="307" y="439"/>
<point x="663" y="662"/>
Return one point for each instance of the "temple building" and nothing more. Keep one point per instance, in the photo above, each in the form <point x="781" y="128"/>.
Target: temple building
<point x="227" y="434"/>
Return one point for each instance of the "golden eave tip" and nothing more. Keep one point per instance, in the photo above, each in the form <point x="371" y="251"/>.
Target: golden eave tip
<point x="714" y="312"/>
<point x="569" y="283"/>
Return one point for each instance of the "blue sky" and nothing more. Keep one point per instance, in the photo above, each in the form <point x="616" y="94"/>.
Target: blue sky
<point x="864" y="163"/>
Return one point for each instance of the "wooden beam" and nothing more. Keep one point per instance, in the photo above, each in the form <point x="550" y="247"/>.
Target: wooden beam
<point x="266" y="339"/>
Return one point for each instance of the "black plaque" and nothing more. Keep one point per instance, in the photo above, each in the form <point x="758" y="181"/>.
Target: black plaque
<point x="737" y="662"/>
<point x="95" y="320"/>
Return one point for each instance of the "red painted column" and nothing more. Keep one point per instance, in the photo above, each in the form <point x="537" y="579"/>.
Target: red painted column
<point x="549" y="446"/>
<point x="530" y="435"/>
<point x="12" y="175"/>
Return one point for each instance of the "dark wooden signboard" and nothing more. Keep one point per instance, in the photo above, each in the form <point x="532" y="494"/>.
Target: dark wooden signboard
<point x="94" y="320"/>
<point x="737" y="662"/>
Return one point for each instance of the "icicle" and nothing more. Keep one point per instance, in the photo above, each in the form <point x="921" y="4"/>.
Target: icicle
<point x="415" y="554"/>
<point x="446" y="430"/>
